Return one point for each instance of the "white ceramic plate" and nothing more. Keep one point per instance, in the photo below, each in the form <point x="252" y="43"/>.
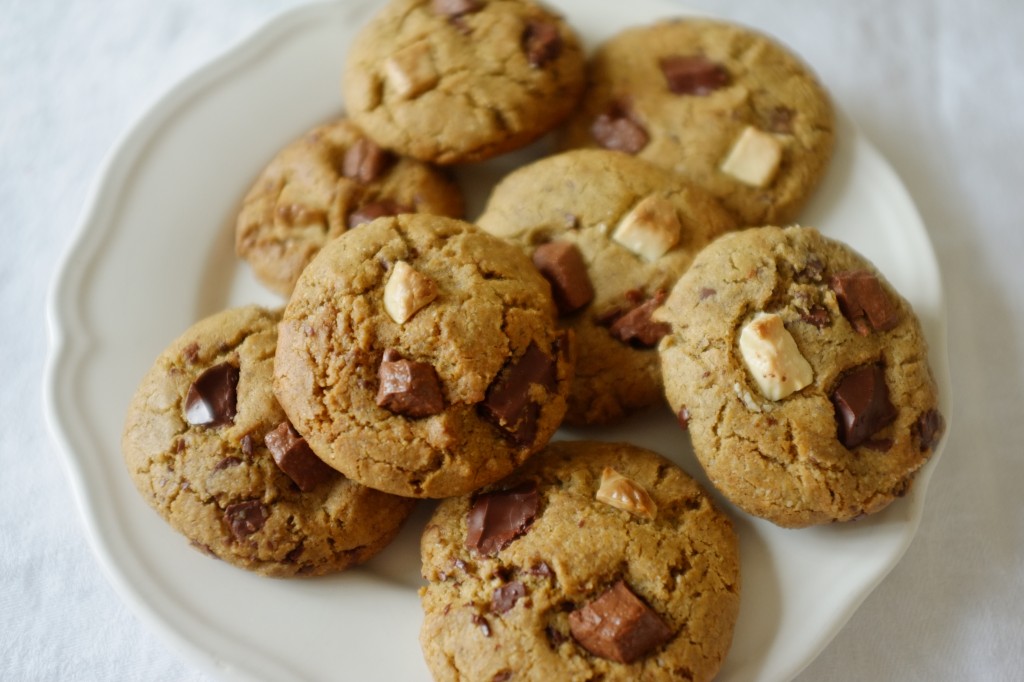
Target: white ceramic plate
<point x="154" y="253"/>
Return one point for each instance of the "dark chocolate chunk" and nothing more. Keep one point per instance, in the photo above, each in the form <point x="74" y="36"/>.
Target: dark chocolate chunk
<point x="364" y="161"/>
<point x="295" y="458"/>
<point x="618" y="129"/>
<point x="506" y="596"/>
<point x="562" y="265"/>
<point x="374" y="210"/>
<point x="619" y="626"/>
<point x="541" y="42"/>
<point x="862" y="404"/>
<point x="212" y="399"/>
<point x="864" y="302"/>
<point x="508" y="403"/>
<point x="497" y="518"/>
<point x="929" y="427"/>
<point x="245" y="518"/>
<point x="408" y="388"/>
<point x="455" y="8"/>
<point x="693" y="75"/>
<point x="636" y="326"/>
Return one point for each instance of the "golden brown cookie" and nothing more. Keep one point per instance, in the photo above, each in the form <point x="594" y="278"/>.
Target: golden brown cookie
<point x="330" y="180"/>
<point x="210" y="449"/>
<point x="594" y="561"/>
<point x="802" y="376"/>
<point x="612" y="234"/>
<point x="729" y="108"/>
<point x="450" y="81"/>
<point x="420" y="355"/>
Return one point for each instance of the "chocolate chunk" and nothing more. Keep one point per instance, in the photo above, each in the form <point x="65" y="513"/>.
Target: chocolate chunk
<point x="929" y="427"/>
<point x="502" y="676"/>
<point x="816" y="316"/>
<point x="509" y="404"/>
<point x="227" y="463"/>
<point x="482" y="623"/>
<point x="408" y="388"/>
<point x="618" y="626"/>
<point x="506" y="596"/>
<point x="364" y="161"/>
<point x="863" y="302"/>
<point x="295" y="458"/>
<point x="562" y="265"/>
<point x="541" y="42"/>
<point x="619" y="130"/>
<point x="780" y="120"/>
<point x="636" y="326"/>
<point x="862" y="404"/>
<point x="245" y="518"/>
<point x="212" y="398"/>
<point x="374" y="210"/>
<point x="455" y="8"/>
<point x="497" y="518"/>
<point x="683" y="417"/>
<point x="246" y="445"/>
<point x="191" y="353"/>
<point x="693" y="75"/>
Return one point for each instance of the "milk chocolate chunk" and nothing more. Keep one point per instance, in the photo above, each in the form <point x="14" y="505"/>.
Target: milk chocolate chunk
<point x="374" y="210"/>
<point x="636" y="326"/>
<point x="618" y="626"/>
<point x="541" y="42"/>
<point x="861" y="401"/>
<point x="408" y="388"/>
<point x="364" y="161"/>
<point x="929" y="427"/>
<point x="619" y="131"/>
<point x="506" y="596"/>
<point x="295" y="458"/>
<point x="863" y="302"/>
<point x="562" y="265"/>
<point x="693" y="74"/>
<point x="510" y="404"/>
<point x="245" y="518"/>
<point x="212" y="399"/>
<point x="455" y="8"/>
<point x="497" y="518"/>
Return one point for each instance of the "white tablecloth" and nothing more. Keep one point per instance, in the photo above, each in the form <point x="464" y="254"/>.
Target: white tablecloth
<point x="937" y="85"/>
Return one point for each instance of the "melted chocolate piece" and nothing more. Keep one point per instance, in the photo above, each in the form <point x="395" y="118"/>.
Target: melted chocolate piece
<point x="408" y="388"/>
<point x="506" y="596"/>
<point x="618" y="129"/>
<point x="508" y="404"/>
<point x="928" y="427"/>
<point x="497" y="518"/>
<point x="863" y="302"/>
<point x="374" y="210"/>
<point x="862" y="405"/>
<point x="364" y="161"/>
<point x="618" y="626"/>
<point x="455" y="8"/>
<point x="637" y="328"/>
<point x="245" y="518"/>
<point x="295" y="458"/>
<point x="212" y="399"/>
<point x="562" y="265"/>
<point x="693" y="75"/>
<point x="541" y="42"/>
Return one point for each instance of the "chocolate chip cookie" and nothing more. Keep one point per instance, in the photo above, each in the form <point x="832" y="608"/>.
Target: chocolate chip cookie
<point x="450" y="81"/>
<point x="801" y="374"/>
<point x="420" y="355"/>
<point x="612" y="234"/>
<point x="729" y="108"/>
<point x="210" y="449"/>
<point x="330" y="180"/>
<point x="594" y="561"/>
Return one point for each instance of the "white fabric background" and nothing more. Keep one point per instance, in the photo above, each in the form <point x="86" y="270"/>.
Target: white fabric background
<point x="937" y="85"/>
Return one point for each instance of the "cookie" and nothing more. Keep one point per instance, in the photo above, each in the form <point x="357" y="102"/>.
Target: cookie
<point x="210" y="449"/>
<point x="450" y="81"/>
<point x="330" y="180"/>
<point x="420" y="355"/>
<point x="801" y="374"/>
<point x="729" y="108"/>
<point x="594" y="561"/>
<point x="612" y="234"/>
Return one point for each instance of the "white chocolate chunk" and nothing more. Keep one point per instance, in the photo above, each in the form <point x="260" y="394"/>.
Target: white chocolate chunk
<point x="407" y="291"/>
<point x="651" y="229"/>
<point x="772" y="357"/>
<point x="411" y="71"/>
<point x="754" y="158"/>
<point x="623" y="493"/>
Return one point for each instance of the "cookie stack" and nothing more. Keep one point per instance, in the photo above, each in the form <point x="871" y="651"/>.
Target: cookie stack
<point x="419" y="355"/>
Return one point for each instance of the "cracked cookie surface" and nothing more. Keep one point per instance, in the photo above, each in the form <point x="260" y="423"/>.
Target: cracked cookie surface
<point x="517" y="608"/>
<point x="451" y="82"/>
<point x="682" y="93"/>
<point x="315" y="188"/>
<point x="200" y="459"/>
<point x="847" y="443"/>
<point x="581" y="198"/>
<point x="420" y="355"/>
